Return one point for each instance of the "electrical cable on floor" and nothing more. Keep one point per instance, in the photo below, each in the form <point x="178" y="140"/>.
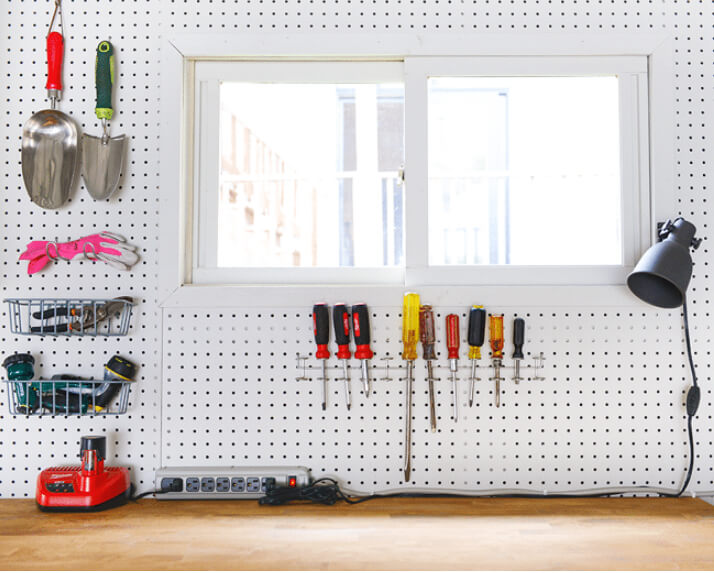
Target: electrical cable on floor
<point x="145" y="494"/>
<point x="327" y="490"/>
<point x="148" y="493"/>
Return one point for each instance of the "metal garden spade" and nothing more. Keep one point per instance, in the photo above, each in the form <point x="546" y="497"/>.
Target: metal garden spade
<point x="102" y="157"/>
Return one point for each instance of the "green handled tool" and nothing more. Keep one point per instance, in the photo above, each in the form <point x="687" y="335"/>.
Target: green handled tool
<point x="102" y="157"/>
<point x="21" y="369"/>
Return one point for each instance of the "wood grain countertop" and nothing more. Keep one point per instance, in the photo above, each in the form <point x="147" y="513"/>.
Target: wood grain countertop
<point x="434" y="533"/>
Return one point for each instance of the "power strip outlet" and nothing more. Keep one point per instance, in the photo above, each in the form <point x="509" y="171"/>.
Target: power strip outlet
<point x="226" y="482"/>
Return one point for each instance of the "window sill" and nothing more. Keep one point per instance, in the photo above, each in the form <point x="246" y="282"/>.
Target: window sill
<point x="281" y="296"/>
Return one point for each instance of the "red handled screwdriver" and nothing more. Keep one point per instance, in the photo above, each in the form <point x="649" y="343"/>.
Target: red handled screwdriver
<point x="321" y="327"/>
<point x="341" y="320"/>
<point x="361" y="331"/>
<point x="452" y="345"/>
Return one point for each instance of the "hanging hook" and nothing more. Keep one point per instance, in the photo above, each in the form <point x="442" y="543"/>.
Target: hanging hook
<point x="58" y="8"/>
<point x="87" y="255"/>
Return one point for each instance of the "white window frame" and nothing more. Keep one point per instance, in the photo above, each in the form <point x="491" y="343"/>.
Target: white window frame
<point x="207" y="78"/>
<point x="655" y="165"/>
<point x="634" y="167"/>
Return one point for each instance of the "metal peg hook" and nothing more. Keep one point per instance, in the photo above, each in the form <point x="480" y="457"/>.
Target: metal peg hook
<point x="58" y="8"/>
<point x="302" y="364"/>
<point x="387" y="377"/>
<point x="57" y="256"/>
<point x="538" y="366"/>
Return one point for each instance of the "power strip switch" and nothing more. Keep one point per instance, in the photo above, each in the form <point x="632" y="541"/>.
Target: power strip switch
<point x="226" y="482"/>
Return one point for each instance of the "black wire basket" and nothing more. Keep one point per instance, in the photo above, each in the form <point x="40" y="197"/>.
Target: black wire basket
<point x="69" y="316"/>
<point x="68" y="397"/>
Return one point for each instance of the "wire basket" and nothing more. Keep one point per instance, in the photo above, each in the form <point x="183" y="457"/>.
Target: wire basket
<point x="68" y="397"/>
<point x="69" y="316"/>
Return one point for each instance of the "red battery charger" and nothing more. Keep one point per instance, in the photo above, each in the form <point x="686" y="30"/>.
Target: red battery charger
<point x="89" y="487"/>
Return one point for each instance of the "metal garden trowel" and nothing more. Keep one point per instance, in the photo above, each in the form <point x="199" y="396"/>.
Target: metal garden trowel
<point x="50" y="157"/>
<point x="102" y="157"/>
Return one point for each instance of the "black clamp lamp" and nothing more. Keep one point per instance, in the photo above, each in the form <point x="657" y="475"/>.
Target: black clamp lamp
<point x="662" y="275"/>
<point x="661" y="278"/>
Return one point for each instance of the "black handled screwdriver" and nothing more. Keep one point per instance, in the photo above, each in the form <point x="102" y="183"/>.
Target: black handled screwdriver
<point x="341" y="320"/>
<point x="477" y="332"/>
<point x="362" y="334"/>
<point x="519" y="334"/>
<point x="321" y="327"/>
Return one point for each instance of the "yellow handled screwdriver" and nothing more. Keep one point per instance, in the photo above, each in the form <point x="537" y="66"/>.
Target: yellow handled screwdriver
<point x="427" y="332"/>
<point x="410" y="336"/>
<point x="495" y="327"/>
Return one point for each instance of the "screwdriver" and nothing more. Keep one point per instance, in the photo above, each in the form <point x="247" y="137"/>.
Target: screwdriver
<point x="477" y="328"/>
<point x="452" y="345"/>
<point x="519" y="333"/>
<point x="341" y="320"/>
<point x="410" y="336"/>
<point x="495" y="326"/>
<point x="360" y="329"/>
<point x="321" y="327"/>
<point x="428" y="338"/>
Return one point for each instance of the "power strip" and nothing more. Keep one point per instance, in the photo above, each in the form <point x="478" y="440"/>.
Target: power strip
<point x="226" y="482"/>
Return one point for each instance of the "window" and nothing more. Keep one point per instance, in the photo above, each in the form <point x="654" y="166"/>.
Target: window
<point x="419" y="169"/>
<point x="517" y="164"/>
<point x="306" y="175"/>
<point x="527" y="170"/>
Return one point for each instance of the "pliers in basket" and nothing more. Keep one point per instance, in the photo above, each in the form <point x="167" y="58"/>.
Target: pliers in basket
<point x="85" y="317"/>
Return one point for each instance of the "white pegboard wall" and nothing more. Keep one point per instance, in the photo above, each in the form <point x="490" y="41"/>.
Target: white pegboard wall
<point x="29" y="444"/>
<point x="610" y="411"/>
<point x="605" y="415"/>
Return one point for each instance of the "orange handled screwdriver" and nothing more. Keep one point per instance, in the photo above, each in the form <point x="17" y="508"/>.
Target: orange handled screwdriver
<point x="495" y="327"/>
<point x="321" y="328"/>
<point x="341" y="320"/>
<point x="452" y="345"/>
<point x="427" y="332"/>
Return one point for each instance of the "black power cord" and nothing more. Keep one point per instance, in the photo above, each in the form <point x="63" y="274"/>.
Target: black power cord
<point x="148" y="493"/>
<point x="325" y="491"/>
<point x="693" y="399"/>
<point x="176" y="486"/>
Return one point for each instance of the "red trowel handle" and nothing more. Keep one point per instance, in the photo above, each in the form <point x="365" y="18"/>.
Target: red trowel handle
<point x="55" y="53"/>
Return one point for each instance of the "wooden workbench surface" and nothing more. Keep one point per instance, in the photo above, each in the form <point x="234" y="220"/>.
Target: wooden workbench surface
<point x="381" y="534"/>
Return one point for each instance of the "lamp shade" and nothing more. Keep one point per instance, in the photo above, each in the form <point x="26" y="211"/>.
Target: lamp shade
<point x="662" y="275"/>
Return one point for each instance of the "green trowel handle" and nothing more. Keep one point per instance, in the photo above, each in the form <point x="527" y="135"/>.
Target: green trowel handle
<point x="104" y="77"/>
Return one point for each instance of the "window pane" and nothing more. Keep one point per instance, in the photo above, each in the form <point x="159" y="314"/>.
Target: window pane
<point x="308" y="175"/>
<point x="524" y="171"/>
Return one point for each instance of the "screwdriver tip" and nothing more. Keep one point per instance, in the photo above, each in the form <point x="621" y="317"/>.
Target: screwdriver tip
<point x="324" y="406"/>
<point x="349" y="407"/>
<point x="471" y="403"/>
